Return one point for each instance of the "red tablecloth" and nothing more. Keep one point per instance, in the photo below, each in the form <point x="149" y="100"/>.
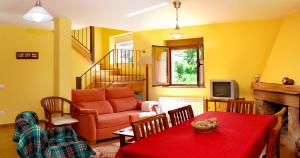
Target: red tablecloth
<point x="237" y="136"/>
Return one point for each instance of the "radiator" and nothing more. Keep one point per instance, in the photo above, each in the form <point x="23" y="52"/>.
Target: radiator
<point x="170" y="103"/>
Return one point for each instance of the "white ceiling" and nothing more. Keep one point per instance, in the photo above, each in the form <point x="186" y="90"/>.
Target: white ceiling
<point x="111" y="13"/>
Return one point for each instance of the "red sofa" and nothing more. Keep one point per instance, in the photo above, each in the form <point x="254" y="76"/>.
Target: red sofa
<point x="102" y="111"/>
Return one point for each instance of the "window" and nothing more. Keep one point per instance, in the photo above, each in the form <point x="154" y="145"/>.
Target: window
<point x="123" y="52"/>
<point x="180" y="63"/>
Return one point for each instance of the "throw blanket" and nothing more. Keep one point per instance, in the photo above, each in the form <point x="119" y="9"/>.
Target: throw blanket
<point x="23" y="121"/>
<point x="62" y="143"/>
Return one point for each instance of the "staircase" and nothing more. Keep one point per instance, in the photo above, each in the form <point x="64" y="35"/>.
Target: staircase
<point x="116" y="68"/>
<point x="83" y="42"/>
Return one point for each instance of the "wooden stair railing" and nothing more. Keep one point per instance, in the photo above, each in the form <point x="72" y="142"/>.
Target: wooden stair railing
<point x="83" y="42"/>
<point x="117" y="67"/>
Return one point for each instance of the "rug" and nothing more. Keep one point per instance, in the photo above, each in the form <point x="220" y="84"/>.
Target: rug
<point x="107" y="151"/>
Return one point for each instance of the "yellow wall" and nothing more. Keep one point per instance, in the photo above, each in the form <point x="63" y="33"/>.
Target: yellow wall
<point x="106" y="34"/>
<point x="98" y="43"/>
<point x="79" y="66"/>
<point x="26" y="81"/>
<point x="236" y="51"/>
<point x="119" y="38"/>
<point x="102" y="40"/>
<point x="285" y="55"/>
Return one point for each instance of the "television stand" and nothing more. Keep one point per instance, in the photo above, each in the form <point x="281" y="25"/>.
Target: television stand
<point x="217" y="102"/>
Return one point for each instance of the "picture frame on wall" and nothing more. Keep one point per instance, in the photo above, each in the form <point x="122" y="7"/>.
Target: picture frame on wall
<point x="27" y="55"/>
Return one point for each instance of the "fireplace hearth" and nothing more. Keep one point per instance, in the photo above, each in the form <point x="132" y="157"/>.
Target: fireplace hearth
<point x="271" y="97"/>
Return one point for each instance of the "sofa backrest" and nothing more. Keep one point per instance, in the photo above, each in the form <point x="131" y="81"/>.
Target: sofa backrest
<point x="121" y="98"/>
<point x="92" y="99"/>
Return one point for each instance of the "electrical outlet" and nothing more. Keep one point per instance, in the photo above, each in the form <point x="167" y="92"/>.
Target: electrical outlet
<point x="2" y="86"/>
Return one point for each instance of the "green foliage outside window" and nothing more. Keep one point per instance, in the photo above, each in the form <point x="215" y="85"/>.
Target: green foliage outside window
<point x="186" y="70"/>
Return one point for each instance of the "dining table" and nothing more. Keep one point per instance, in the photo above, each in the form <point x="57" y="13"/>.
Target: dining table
<point x="236" y="136"/>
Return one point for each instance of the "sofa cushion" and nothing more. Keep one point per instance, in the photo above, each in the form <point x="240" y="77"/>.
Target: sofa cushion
<point x="123" y="104"/>
<point x="88" y="95"/>
<point x="135" y="115"/>
<point x="102" y="107"/>
<point x="119" y="92"/>
<point x="112" y="119"/>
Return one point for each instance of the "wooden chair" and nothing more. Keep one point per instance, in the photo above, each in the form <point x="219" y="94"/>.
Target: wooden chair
<point x="274" y="140"/>
<point x="149" y="126"/>
<point x="281" y="112"/>
<point x="240" y="106"/>
<point x="181" y="115"/>
<point x="54" y="112"/>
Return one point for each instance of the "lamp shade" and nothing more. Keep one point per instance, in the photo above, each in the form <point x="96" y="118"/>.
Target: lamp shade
<point x="176" y="34"/>
<point x="145" y="60"/>
<point x="38" y="14"/>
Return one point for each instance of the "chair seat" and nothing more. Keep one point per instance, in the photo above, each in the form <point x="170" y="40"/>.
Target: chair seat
<point x="57" y="121"/>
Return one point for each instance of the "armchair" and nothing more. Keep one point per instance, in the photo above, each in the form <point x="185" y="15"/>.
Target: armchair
<point x="55" y="115"/>
<point x="35" y="142"/>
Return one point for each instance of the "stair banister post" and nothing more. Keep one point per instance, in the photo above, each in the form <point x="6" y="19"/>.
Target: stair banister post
<point x="78" y="83"/>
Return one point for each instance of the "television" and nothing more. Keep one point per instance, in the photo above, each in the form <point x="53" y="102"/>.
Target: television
<point x="224" y="89"/>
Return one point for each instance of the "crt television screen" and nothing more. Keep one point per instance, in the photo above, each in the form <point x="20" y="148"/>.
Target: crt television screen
<point x="221" y="89"/>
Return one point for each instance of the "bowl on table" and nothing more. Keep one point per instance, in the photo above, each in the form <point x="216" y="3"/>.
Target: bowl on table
<point x="205" y="125"/>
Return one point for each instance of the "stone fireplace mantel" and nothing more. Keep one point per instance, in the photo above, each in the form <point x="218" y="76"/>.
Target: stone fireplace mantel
<point x="278" y="93"/>
<point x="288" y="95"/>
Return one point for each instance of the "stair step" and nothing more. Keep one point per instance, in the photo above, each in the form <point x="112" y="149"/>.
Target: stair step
<point x="120" y="78"/>
<point x="107" y="72"/>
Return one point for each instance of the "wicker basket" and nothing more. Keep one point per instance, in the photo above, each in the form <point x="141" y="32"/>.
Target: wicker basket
<point x="205" y="125"/>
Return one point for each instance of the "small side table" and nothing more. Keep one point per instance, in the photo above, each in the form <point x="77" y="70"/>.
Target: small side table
<point x="123" y="133"/>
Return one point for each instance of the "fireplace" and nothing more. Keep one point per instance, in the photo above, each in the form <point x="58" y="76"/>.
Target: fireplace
<point x="270" y="97"/>
<point x="272" y="108"/>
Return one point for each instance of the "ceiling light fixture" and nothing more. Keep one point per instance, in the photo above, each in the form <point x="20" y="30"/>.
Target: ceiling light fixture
<point x="176" y="33"/>
<point x="38" y="13"/>
<point x="147" y="9"/>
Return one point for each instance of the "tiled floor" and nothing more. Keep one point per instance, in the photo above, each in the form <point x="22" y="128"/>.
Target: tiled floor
<point x="8" y="147"/>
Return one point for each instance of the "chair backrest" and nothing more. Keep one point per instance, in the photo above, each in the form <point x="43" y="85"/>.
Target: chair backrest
<point x="54" y="105"/>
<point x="281" y="112"/>
<point x="240" y="106"/>
<point x="149" y="126"/>
<point x="274" y="139"/>
<point x="181" y="115"/>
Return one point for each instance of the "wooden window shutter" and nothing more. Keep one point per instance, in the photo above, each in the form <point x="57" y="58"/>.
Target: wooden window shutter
<point x="161" y="66"/>
<point x="201" y="66"/>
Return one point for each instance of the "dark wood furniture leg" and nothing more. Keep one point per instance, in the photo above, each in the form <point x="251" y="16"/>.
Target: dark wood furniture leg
<point x="122" y="141"/>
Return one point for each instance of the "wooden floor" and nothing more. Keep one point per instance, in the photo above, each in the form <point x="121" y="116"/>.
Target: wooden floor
<point x="8" y="147"/>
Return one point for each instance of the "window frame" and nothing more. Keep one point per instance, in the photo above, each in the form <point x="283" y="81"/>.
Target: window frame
<point x="116" y="57"/>
<point x="181" y="44"/>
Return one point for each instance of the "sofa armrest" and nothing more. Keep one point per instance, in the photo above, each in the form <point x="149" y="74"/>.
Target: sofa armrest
<point x="155" y="108"/>
<point x="150" y="106"/>
<point x="88" y="119"/>
<point x="76" y="110"/>
<point x="139" y="104"/>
